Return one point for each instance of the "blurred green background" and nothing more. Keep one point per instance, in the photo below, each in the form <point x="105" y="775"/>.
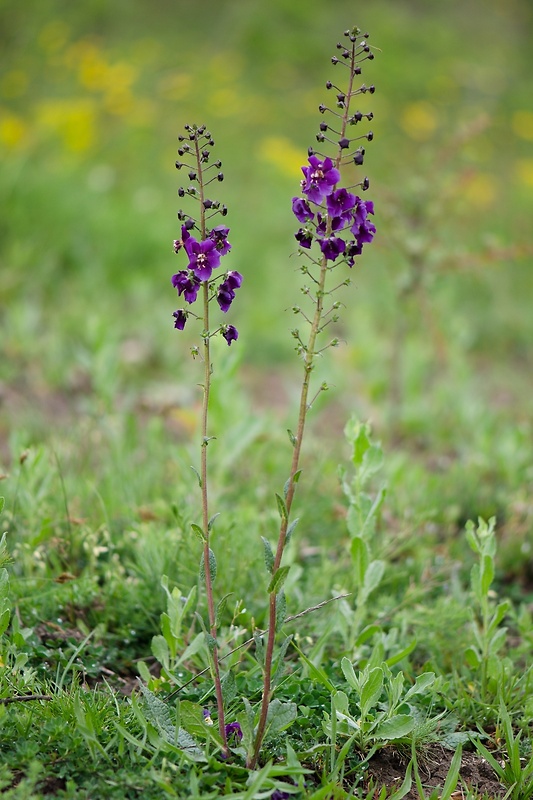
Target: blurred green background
<point x="93" y="96"/>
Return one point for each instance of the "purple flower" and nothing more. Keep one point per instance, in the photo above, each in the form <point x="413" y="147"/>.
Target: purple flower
<point x="277" y="794"/>
<point x="187" y="285"/>
<point x="352" y="249"/>
<point x="226" y="290"/>
<point x="233" y="731"/>
<point x="332" y="247"/>
<point x="362" y="209"/>
<point x="230" y="333"/>
<point x="340" y="203"/>
<point x="180" y="318"/>
<point x="219" y="236"/>
<point x="305" y="238"/>
<point x="203" y="257"/>
<point x="301" y="210"/>
<point x="179" y="243"/>
<point x="364" y="233"/>
<point x="320" y="178"/>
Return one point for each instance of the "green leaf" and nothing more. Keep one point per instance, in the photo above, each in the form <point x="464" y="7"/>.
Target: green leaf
<point x="316" y="672"/>
<point x="452" y="777"/>
<point x="397" y="657"/>
<point x="280" y="716"/>
<point x="395" y="727"/>
<point x="373" y="576"/>
<point x="281" y="609"/>
<point x="198" y="531"/>
<point x="290" y="529"/>
<point x="340" y="702"/>
<point x="161" y="651"/>
<point x="421" y="684"/>
<point x="278" y="669"/>
<point x="292" y="437"/>
<point x="212" y="567"/>
<point x="282" y="508"/>
<point x="199" y="477"/>
<point x="212" y="521"/>
<point x="349" y="673"/>
<point x="259" y="647"/>
<point x="360" y="558"/>
<point x="499" y="613"/>
<point x="229" y="688"/>
<point x="472" y="657"/>
<point x="366" y="634"/>
<point x="371" y="686"/>
<point x="269" y="555"/>
<point x="2" y="503"/>
<point x="278" y="579"/>
<point x="487" y="573"/>
<point x="221" y="607"/>
<point x="157" y="712"/>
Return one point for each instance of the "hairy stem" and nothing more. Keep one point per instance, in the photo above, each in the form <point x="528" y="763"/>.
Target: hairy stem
<point x="203" y="475"/>
<point x="310" y="353"/>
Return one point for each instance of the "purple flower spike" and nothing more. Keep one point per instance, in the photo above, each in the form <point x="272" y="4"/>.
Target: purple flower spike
<point x="204" y="257"/>
<point x="332" y="247"/>
<point x="230" y="333"/>
<point x="364" y="233"/>
<point x="219" y="236"/>
<point x="362" y="208"/>
<point x="320" y="178"/>
<point x="301" y="210"/>
<point x="233" y="730"/>
<point x="180" y="318"/>
<point x="234" y="279"/>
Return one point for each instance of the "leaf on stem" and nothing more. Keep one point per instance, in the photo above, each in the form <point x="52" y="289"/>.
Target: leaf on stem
<point x="269" y="555"/>
<point x="212" y="566"/>
<point x="278" y="579"/>
<point x="282" y="508"/>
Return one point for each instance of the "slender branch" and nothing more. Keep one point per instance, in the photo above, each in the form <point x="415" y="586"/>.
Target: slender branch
<point x="203" y="471"/>
<point x="310" y="353"/>
<point x="24" y="698"/>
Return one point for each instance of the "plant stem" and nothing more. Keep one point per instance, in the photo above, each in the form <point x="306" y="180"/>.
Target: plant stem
<point x="309" y="356"/>
<point x="213" y="648"/>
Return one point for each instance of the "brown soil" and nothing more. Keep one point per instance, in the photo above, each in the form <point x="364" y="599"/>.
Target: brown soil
<point x="387" y="768"/>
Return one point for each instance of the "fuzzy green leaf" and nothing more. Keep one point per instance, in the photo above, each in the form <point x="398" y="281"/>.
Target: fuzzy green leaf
<point x="371" y="687"/>
<point x="282" y="508"/>
<point x="269" y="555"/>
<point x="280" y="716"/>
<point x="395" y="727"/>
<point x="212" y="567"/>
<point x="290" y="529"/>
<point x="198" y="531"/>
<point x="278" y="579"/>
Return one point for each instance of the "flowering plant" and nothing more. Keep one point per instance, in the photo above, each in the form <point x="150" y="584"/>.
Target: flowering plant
<point x="335" y="224"/>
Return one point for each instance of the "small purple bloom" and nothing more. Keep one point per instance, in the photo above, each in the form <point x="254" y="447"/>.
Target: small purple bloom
<point x="352" y="249"/>
<point x="226" y="290"/>
<point x="340" y="202"/>
<point x="203" y="257"/>
<point x="332" y="247"/>
<point x="233" y="730"/>
<point x="320" y="178"/>
<point x="230" y="333"/>
<point x="179" y="243"/>
<point x="304" y="237"/>
<point x="187" y="285"/>
<point x="364" y="233"/>
<point x="180" y="318"/>
<point x="219" y="236"/>
<point x="301" y="210"/>
<point x="362" y="209"/>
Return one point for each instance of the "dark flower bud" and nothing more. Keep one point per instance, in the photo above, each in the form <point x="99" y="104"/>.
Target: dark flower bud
<point x="328" y="84"/>
<point x="372" y="89"/>
<point x="358" y="116"/>
<point x="341" y="98"/>
<point x="187" y="127"/>
<point x="218" y="164"/>
<point x="334" y="60"/>
<point x="366" y="35"/>
<point x="369" y="116"/>
<point x="359" y="157"/>
<point x="211" y="142"/>
<point x="370" y="135"/>
<point x="323" y="126"/>
<point x="310" y="151"/>
<point x="208" y="203"/>
<point x="201" y="129"/>
<point x="220" y="176"/>
<point x="192" y="175"/>
<point x="181" y="192"/>
<point x="346" y="54"/>
<point x="357" y="71"/>
<point x="365" y="184"/>
<point x="189" y="223"/>
<point x="322" y="108"/>
<point x="339" y="46"/>
<point x="180" y="318"/>
<point x="371" y="56"/>
<point x="320" y="137"/>
<point x="179" y="165"/>
<point x="224" y="211"/>
<point x="344" y="143"/>
<point x="366" y="48"/>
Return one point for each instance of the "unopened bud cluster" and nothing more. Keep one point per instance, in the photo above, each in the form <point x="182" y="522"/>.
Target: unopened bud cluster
<point x="204" y="246"/>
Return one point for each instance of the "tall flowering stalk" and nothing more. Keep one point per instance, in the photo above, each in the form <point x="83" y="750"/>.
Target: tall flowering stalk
<point x="204" y="246"/>
<point x="335" y="225"/>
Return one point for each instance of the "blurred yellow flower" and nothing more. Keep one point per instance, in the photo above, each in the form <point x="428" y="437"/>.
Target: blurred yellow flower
<point x="14" y="83"/>
<point x="282" y="154"/>
<point x="419" y="120"/>
<point x="524" y="171"/>
<point x="13" y="130"/>
<point x="522" y="123"/>
<point x="480" y="190"/>
<point x="225" y="67"/>
<point x="175" y="86"/>
<point x="73" y="120"/>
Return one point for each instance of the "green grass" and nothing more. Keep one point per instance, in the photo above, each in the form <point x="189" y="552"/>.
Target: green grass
<point x="99" y="414"/>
